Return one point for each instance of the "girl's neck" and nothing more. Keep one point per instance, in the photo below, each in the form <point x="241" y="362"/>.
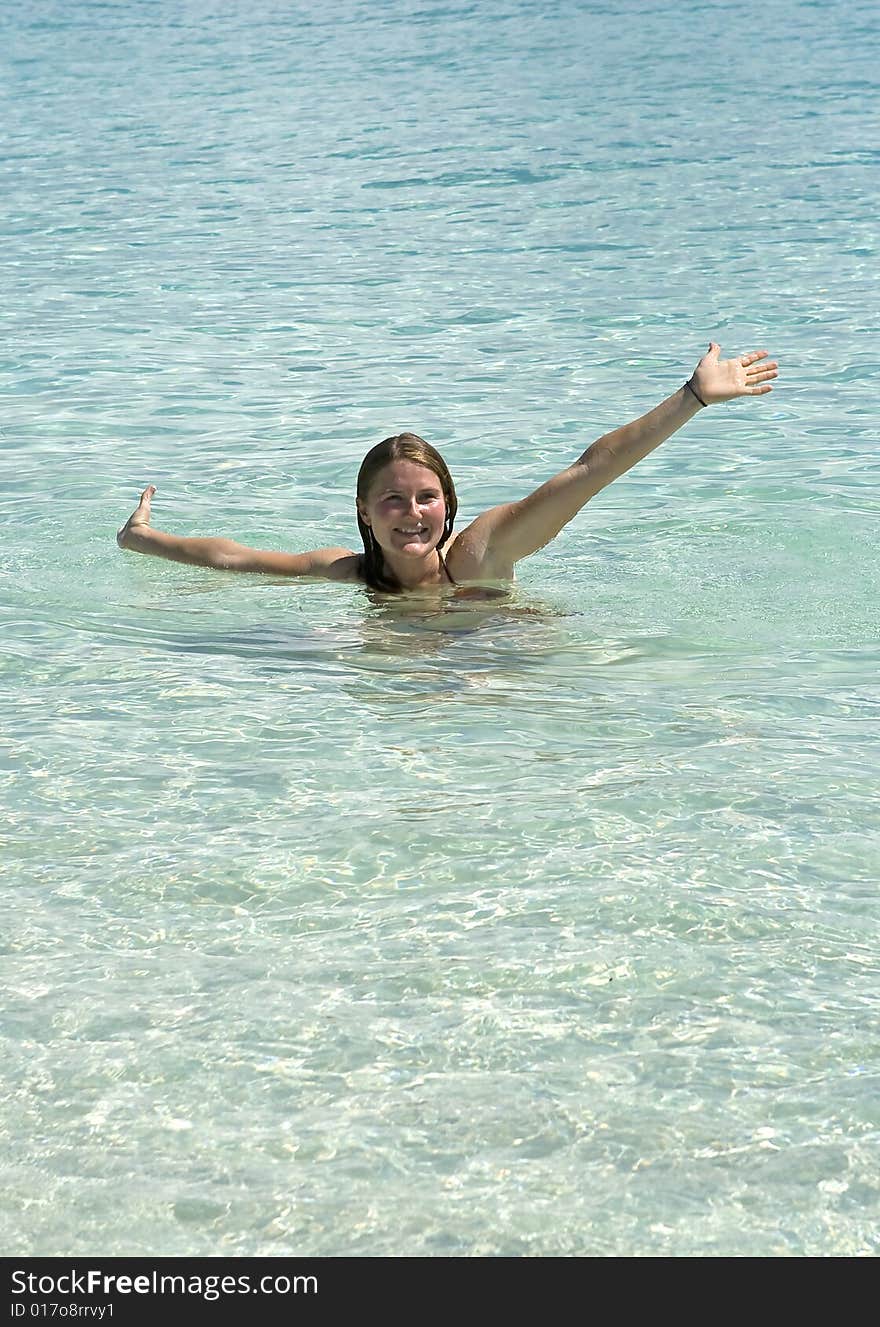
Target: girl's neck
<point x="415" y="575"/>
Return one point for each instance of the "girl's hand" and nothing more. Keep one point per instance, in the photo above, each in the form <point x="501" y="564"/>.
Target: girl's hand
<point x="717" y="379"/>
<point x="140" y="515"/>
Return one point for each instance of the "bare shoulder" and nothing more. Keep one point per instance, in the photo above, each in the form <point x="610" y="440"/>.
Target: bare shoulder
<point x="470" y="555"/>
<point x="335" y="564"/>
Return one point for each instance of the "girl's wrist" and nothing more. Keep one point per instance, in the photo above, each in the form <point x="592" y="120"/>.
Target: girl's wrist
<point x="689" y="385"/>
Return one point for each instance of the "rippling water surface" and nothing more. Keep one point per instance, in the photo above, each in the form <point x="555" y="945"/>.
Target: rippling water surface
<point x="541" y="926"/>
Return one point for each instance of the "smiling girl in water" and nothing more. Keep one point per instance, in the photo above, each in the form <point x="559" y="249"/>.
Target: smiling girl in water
<point x="406" y="502"/>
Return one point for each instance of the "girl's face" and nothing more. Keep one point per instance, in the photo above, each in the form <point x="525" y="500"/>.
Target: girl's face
<point x="405" y="509"/>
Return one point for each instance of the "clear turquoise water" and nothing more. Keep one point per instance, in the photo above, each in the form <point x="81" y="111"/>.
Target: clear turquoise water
<point x="336" y="928"/>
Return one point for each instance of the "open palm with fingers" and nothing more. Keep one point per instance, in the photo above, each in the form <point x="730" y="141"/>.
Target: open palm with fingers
<point x="718" y="379"/>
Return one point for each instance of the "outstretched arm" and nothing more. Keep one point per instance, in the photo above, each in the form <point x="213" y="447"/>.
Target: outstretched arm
<point x="502" y="536"/>
<point x="137" y="534"/>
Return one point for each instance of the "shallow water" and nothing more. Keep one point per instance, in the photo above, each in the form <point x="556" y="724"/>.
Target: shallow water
<point x="544" y="926"/>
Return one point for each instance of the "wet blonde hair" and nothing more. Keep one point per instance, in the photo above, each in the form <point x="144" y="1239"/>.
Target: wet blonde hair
<point x="402" y="447"/>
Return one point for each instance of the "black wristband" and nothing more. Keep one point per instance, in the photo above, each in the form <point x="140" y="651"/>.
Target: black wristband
<point x="693" y="391"/>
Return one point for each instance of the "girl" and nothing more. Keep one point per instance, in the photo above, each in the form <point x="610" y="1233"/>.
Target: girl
<point x="406" y="502"/>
